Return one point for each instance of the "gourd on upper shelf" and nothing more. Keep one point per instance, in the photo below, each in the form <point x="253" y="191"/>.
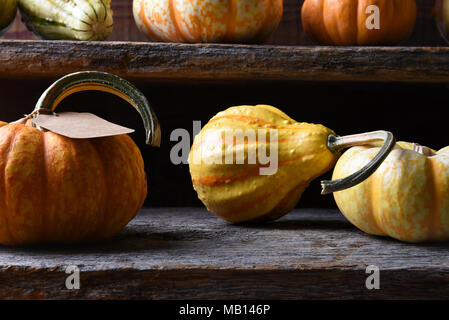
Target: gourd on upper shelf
<point x="441" y="13"/>
<point x="248" y="21"/>
<point x="8" y="11"/>
<point x="86" y="20"/>
<point x="344" y="22"/>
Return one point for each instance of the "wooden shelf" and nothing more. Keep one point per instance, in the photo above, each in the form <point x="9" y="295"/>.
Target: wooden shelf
<point x="183" y="253"/>
<point x="164" y="61"/>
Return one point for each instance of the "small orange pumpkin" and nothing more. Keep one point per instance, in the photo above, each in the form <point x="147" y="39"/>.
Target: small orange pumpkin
<point x="343" y="22"/>
<point x="207" y="20"/>
<point x="55" y="189"/>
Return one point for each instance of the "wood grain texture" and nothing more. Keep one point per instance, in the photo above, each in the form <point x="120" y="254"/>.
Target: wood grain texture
<point x="289" y="31"/>
<point x="160" y="61"/>
<point x="190" y="254"/>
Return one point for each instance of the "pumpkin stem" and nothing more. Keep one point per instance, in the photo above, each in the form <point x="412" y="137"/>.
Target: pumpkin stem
<point x="337" y="144"/>
<point x="422" y="150"/>
<point x="105" y="82"/>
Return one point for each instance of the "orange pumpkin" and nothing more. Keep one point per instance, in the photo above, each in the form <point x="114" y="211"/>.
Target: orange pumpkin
<point x="207" y="20"/>
<point x="343" y="22"/>
<point x="55" y="189"/>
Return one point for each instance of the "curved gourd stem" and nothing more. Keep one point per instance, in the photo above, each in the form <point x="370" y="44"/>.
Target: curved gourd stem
<point x="337" y="144"/>
<point x="423" y="150"/>
<point x="105" y="82"/>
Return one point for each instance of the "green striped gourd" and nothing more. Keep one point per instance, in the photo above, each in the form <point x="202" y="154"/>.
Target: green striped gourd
<point x="8" y="10"/>
<point x="85" y="20"/>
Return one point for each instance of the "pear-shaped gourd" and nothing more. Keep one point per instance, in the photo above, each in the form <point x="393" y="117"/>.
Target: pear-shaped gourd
<point x="354" y="22"/>
<point x="252" y="163"/>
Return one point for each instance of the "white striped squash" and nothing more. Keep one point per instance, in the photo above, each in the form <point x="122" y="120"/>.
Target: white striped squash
<point x="85" y="20"/>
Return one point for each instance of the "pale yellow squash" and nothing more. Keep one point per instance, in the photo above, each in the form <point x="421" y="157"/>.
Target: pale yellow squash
<point x="407" y="198"/>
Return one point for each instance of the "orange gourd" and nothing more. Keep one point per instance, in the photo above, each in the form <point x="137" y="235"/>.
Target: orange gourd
<point x="55" y="189"/>
<point x="207" y="20"/>
<point x="343" y="22"/>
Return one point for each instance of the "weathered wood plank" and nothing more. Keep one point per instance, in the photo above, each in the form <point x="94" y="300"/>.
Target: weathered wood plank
<point x="168" y="253"/>
<point x="225" y="62"/>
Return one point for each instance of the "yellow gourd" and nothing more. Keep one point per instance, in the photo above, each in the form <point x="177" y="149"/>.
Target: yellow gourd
<point x="407" y="198"/>
<point x="242" y="192"/>
<point x="8" y="10"/>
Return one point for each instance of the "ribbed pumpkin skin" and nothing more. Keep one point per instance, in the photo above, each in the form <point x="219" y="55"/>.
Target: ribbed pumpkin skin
<point x="8" y="10"/>
<point x="343" y="22"/>
<point x="207" y="20"/>
<point x="83" y="20"/>
<point x="407" y="198"/>
<point x="238" y="193"/>
<point x="59" y="190"/>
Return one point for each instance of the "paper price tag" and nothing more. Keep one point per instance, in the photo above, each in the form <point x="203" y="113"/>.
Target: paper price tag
<point x="79" y="125"/>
